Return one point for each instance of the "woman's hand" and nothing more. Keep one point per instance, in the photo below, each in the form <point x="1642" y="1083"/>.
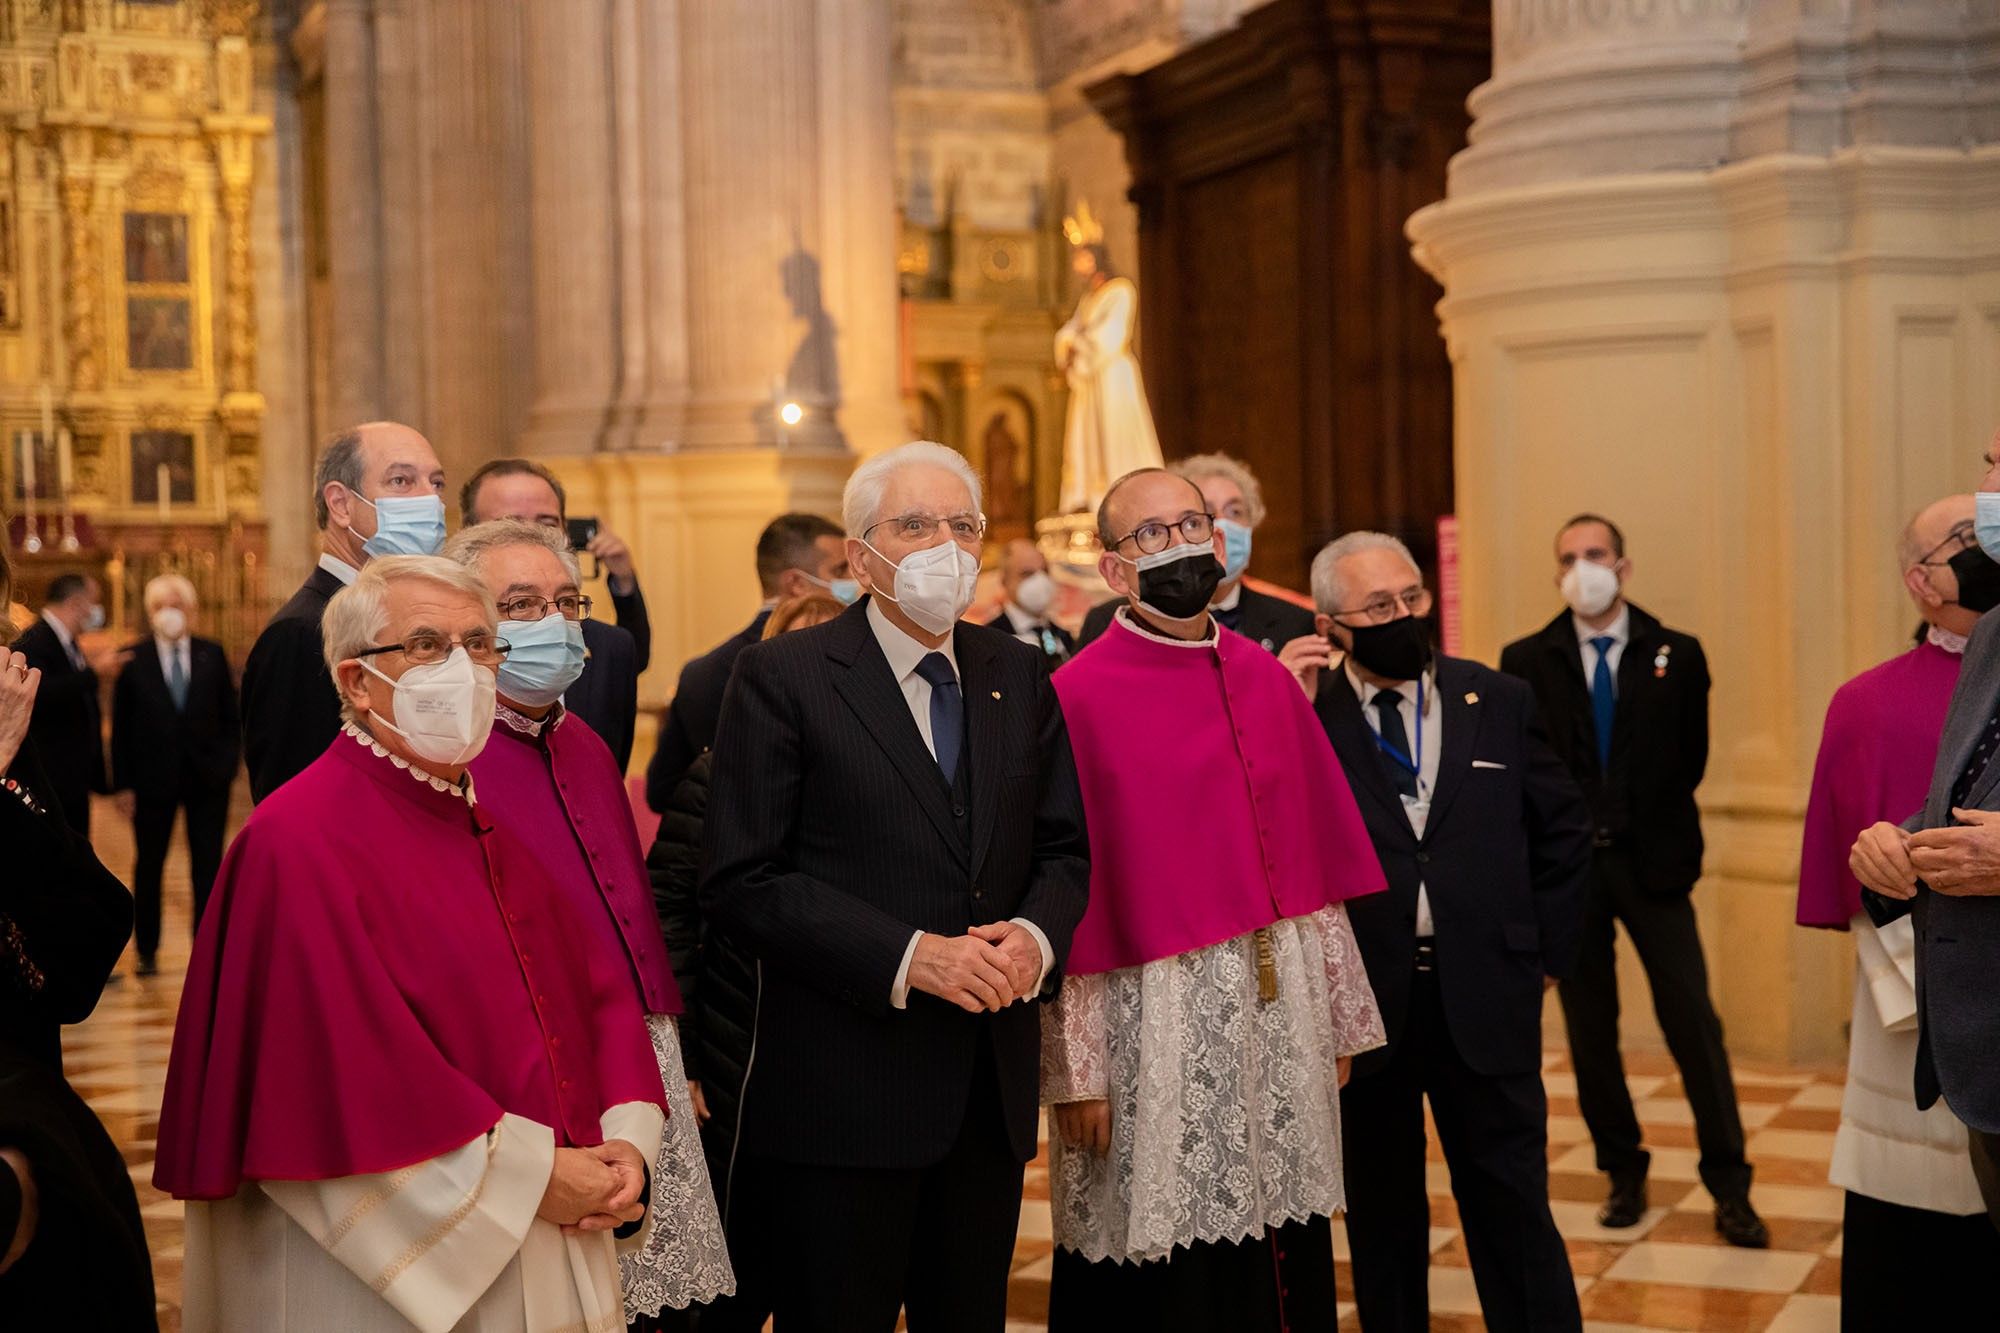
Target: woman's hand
<point x="18" y="684"/>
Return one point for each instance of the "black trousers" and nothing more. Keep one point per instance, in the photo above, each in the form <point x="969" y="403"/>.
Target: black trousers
<point x="843" y="1249"/>
<point x="152" y="830"/>
<point x="1912" y="1268"/>
<point x="1662" y="928"/>
<point x="1281" y="1282"/>
<point x="1495" y="1135"/>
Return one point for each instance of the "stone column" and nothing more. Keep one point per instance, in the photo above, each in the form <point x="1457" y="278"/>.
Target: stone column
<point x="353" y="217"/>
<point x="402" y="106"/>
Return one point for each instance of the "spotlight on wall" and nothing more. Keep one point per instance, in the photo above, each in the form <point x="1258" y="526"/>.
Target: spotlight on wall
<point x="791" y="414"/>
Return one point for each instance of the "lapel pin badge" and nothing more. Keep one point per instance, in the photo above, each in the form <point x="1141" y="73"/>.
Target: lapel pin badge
<point x="1660" y="661"/>
<point x="1472" y="696"/>
<point x="996" y="694"/>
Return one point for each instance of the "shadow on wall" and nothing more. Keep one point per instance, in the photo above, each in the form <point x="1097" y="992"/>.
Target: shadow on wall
<point x="812" y="379"/>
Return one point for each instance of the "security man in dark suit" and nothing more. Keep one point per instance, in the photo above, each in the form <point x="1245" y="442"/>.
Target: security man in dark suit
<point x="895" y="832"/>
<point x="1237" y="501"/>
<point x="68" y="721"/>
<point x="1486" y="842"/>
<point x="797" y="554"/>
<point x="606" y="695"/>
<point x="1626" y="700"/>
<point x="175" y="745"/>
<point x="1027" y="591"/>
<point x="378" y="490"/>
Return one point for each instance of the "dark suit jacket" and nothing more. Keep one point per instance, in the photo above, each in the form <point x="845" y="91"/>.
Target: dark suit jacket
<point x="688" y="726"/>
<point x="606" y="695"/>
<point x="1270" y="621"/>
<point x="1659" y="739"/>
<point x="1503" y="859"/>
<point x="628" y="612"/>
<point x="831" y="837"/>
<point x="157" y="750"/>
<point x="290" y="712"/>
<point x="68" y="722"/>
<point x="1062" y="636"/>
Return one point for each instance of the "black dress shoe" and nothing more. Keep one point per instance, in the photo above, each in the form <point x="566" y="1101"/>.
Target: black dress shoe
<point x="1626" y="1205"/>
<point x="148" y="968"/>
<point x="1739" y="1224"/>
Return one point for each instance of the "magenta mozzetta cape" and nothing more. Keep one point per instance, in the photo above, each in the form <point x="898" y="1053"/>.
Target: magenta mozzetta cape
<point x="1875" y="759"/>
<point x="1214" y="802"/>
<point x="561" y="790"/>
<point x="380" y="974"/>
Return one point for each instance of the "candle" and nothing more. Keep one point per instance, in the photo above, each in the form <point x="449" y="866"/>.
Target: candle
<point x="63" y="463"/>
<point x="163" y="478"/>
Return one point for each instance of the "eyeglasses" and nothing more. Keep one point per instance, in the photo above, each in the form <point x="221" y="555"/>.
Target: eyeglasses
<point x="1961" y="537"/>
<point x="528" y="607"/>
<point x="1382" y="607"/>
<point x="1152" y="538"/>
<point x="426" y="647"/>
<point x="966" y="528"/>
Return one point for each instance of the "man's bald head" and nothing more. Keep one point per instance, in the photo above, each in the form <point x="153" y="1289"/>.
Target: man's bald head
<point x="1931" y="527"/>
<point x="1135" y="497"/>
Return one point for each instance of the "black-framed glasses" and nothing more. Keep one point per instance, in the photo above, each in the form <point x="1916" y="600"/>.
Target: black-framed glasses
<point x="574" y="606"/>
<point x="922" y="527"/>
<point x="1152" y="538"/>
<point x="1382" y="607"/>
<point x="426" y="647"/>
<point x="1962" y="537"/>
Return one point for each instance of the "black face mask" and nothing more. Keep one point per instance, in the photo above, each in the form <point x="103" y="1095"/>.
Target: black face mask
<point x="1399" y="649"/>
<point x="1179" y="581"/>
<point x="1978" y="580"/>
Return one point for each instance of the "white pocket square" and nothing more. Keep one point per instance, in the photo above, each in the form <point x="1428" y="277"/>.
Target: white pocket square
<point x="1486" y="763"/>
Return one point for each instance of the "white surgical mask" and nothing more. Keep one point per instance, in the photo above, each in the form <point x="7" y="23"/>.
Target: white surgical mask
<point x="1589" y="588"/>
<point x="1035" y="593"/>
<point x="934" y="586"/>
<point x="170" y="623"/>
<point x="444" y="710"/>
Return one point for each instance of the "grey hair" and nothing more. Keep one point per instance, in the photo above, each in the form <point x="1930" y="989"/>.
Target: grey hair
<point x="160" y="585"/>
<point x="1326" y="584"/>
<point x="470" y="545"/>
<point x="1196" y="467"/>
<point x="358" y="614"/>
<point x="339" y="460"/>
<point x="861" y="502"/>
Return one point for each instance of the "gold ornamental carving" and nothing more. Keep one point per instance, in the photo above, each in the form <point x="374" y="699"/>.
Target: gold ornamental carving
<point x="239" y="308"/>
<point x="83" y="288"/>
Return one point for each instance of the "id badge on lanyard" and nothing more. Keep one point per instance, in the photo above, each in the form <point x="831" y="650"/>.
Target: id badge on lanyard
<point x="1418" y="807"/>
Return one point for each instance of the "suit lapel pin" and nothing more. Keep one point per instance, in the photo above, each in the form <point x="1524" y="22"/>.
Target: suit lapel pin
<point x="996" y="694"/>
<point x="1660" y="661"/>
<point x="1471" y="696"/>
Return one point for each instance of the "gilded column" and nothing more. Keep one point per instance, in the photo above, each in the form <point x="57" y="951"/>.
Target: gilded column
<point x="83" y="279"/>
<point x="354" y="216"/>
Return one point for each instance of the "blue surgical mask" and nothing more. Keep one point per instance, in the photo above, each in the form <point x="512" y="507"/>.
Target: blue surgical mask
<point x="845" y="591"/>
<point x="1235" y="548"/>
<point x="405" y="525"/>
<point x="1986" y="522"/>
<point x="544" y="658"/>
<point x="95" y="620"/>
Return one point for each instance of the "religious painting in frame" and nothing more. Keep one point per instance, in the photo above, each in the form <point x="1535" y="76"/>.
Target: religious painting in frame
<point x="156" y="247"/>
<point x="159" y="333"/>
<point x="153" y="449"/>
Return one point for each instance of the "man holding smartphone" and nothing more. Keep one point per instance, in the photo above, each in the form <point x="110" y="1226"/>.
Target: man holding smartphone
<point x="606" y="695"/>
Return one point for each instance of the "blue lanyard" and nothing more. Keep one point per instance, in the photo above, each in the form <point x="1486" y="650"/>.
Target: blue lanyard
<point x="1413" y="767"/>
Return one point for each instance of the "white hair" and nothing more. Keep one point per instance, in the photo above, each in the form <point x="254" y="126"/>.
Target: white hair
<point x="1329" y="594"/>
<point x="1199" y="467"/>
<point x="358" y="615"/>
<point x="161" y="586"/>
<point x="861" y="502"/>
<point x="470" y="545"/>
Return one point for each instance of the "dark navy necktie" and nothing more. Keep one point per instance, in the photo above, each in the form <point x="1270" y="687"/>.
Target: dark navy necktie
<point x="177" y="684"/>
<point x="1603" y="699"/>
<point x="947" y="712"/>
<point x="1976" y="762"/>
<point x="1388" y="706"/>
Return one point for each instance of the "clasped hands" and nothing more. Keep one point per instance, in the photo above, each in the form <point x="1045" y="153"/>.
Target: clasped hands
<point x="595" y="1189"/>
<point x="1962" y="861"/>
<point x="982" y="971"/>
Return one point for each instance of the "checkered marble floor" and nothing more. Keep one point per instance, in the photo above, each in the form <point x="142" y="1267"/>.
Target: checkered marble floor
<point x="1672" y="1272"/>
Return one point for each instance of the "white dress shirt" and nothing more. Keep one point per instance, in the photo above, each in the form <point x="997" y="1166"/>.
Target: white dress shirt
<point x="171" y="651"/>
<point x="904" y="654"/>
<point x="1620" y="631"/>
<point x="1429" y="740"/>
<point x="337" y="567"/>
<point x="1027" y="628"/>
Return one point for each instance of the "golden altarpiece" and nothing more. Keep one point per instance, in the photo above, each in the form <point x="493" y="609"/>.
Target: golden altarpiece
<point x="129" y="405"/>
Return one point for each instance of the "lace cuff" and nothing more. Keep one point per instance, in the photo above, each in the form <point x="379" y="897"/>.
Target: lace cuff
<point x="1357" y="1022"/>
<point x="1075" y="1061"/>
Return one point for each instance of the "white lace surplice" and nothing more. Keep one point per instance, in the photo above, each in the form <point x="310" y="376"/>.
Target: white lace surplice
<point x="1225" y="1110"/>
<point x="684" y="1258"/>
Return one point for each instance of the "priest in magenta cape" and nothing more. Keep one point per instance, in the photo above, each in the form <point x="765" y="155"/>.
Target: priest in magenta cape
<point x="1214" y="992"/>
<point x="544" y="772"/>
<point x="405" y="1089"/>
<point x="1912" y="1198"/>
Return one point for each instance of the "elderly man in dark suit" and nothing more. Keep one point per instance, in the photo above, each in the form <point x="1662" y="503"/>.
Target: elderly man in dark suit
<point x="606" y="695"/>
<point x="896" y="833"/>
<point x="1486" y="842"/>
<point x="1941" y="866"/>
<point x="1626" y="703"/>
<point x="68" y="721"/>
<point x="797" y="554"/>
<point x="378" y="490"/>
<point x="1026" y="591"/>
<point x="175" y="745"/>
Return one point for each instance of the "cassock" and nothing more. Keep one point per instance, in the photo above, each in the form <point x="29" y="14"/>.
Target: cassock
<point x="391" y="1022"/>
<point x="1913" y="1204"/>
<point x="1212" y="989"/>
<point x="555" y="777"/>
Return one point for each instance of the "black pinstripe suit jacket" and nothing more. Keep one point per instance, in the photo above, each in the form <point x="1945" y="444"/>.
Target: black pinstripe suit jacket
<point x="831" y="836"/>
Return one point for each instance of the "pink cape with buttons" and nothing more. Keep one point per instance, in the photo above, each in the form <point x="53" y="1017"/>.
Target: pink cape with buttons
<point x="1214" y="802"/>
<point x="380" y="974"/>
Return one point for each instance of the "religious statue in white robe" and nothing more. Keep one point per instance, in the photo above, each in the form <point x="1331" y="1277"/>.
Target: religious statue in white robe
<point x="1110" y="428"/>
